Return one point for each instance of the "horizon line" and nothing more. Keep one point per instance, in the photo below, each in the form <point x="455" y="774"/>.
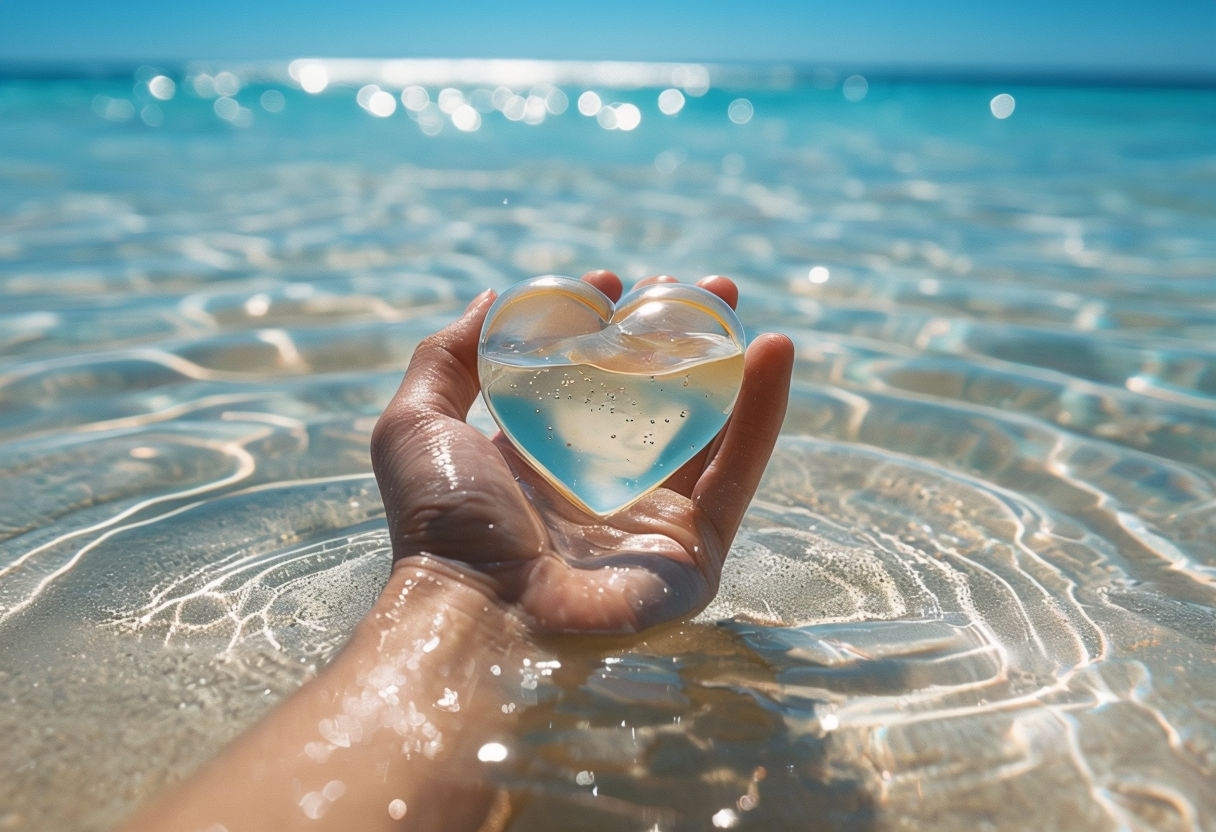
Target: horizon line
<point x="624" y="73"/>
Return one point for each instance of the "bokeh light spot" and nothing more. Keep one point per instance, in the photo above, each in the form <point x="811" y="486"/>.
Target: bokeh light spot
<point x="535" y="109"/>
<point x="514" y="108"/>
<point x="378" y="102"/>
<point x="589" y="104"/>
<point x="415" y="98"/>
<point x="226" y="84"/>
<point x="740" y="111"/>
<point x="466" y="118"/>
<point x="628" y="116"/>
<point x="204" y="85"/>
<point x="162" y="87"/>
<point x="231" y="111"/>
<point x="1002" y="105"/>
<point x="606" y="118"/>
<point x="855" y="87"/>
<point x="671" y="101"/>
<point x="312" y="76"/>
<point x="449" y="100"/>
<point x="272" y="101"/>
<point x="226" y="108"/>
<point x="556" y="101"/>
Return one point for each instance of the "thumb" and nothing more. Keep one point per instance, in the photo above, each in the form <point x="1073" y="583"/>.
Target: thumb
<point x="442" y="375"/>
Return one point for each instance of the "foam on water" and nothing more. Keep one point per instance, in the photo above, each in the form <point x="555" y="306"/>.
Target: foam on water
<point x="978" y="583"/>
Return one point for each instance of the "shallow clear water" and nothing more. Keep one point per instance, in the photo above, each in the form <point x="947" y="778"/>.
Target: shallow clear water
<point x="977" y="588"/>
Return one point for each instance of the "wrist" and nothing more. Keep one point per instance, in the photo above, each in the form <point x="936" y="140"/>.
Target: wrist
<point x="434" y="620"/>
<point x="468" y="595"/>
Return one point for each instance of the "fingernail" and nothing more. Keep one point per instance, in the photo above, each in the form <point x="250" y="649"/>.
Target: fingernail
<point x="479" y="300"/>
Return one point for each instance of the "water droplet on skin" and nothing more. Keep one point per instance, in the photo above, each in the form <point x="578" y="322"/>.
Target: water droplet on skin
<point x="333" y="790"/>
<point x="492" y="752"/>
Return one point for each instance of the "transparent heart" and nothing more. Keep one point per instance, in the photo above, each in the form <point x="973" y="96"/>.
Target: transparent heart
<point x="609" y="401"/>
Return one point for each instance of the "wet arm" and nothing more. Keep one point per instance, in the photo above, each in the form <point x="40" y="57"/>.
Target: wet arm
<point x="387" y="735"/>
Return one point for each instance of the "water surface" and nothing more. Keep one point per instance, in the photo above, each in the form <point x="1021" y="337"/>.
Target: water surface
<point x="977" y="588"/>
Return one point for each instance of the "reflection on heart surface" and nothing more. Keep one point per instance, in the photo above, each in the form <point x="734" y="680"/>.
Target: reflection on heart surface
<point x="607" y="402"/>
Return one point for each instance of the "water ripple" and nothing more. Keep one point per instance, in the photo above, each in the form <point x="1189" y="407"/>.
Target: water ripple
<point x="976" y="588"/>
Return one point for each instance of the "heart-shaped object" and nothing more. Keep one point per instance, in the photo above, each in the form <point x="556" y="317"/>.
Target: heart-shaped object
<point x="609" y="401"/>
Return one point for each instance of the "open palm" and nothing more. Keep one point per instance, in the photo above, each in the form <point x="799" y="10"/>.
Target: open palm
<point x="472" y="504"/>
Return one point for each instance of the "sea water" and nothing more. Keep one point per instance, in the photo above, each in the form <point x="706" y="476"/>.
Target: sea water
<point x="608" y="434"/>
<point x="976" y="588"/>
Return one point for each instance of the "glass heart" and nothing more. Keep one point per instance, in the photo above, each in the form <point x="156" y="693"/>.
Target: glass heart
<point x="609" y="401"/>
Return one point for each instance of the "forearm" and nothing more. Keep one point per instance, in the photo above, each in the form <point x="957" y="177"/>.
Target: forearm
<point x="393" y="725"/>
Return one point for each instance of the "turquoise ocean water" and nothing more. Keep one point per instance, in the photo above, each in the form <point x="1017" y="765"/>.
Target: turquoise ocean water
<point x="976" y="590"/>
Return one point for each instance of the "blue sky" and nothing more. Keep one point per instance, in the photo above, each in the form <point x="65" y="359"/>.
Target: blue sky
<point x="1125" y="36"/>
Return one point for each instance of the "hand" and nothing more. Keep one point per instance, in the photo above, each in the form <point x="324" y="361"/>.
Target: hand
<point x="457" y="500"/>
<point x="487" y="554"/>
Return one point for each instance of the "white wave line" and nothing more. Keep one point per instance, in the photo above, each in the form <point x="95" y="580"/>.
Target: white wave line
<point x="1178" y="561"/>
<point x="111" y="532"/>
<point x="163" y="599"/>
<point x="167" y="359"/>
<point x="963" y="594"/>
<point x="153" y="416"/>
<point x="888" y="718"/>
<point x="242" y="472"/>
<point x="246" y="466"/>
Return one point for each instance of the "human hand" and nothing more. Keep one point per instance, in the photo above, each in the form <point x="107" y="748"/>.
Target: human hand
<point x="459" y="501"/>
